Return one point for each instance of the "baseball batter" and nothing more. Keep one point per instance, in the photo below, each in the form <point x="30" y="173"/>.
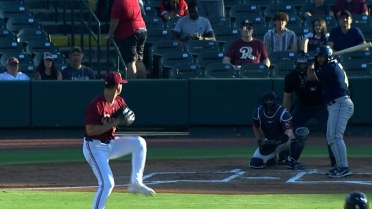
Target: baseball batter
<point x="340" y="108"/>
<point x="102" y="116"/>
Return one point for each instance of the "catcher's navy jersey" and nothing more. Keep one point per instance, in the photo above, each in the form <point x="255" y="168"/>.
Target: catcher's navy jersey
<point x="275" y="125"/>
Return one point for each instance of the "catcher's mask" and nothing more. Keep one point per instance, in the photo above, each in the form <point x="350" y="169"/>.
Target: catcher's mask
<point x="356" y="200"/>
<point x="269" y="102"/>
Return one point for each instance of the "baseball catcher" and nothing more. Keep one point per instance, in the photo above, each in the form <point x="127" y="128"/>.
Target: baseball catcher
<point x="272" y="127"/>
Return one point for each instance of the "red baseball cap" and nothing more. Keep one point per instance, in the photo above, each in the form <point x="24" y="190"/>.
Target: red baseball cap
<point x="114" y="78"/>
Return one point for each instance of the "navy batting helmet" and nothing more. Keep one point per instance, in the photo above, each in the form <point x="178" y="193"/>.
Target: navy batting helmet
<point x="325" y="51"/>
<point x="356" y="200"/>
<point x="269" y="102"/>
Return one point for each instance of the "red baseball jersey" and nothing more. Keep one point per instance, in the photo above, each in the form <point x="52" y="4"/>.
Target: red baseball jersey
<point x="99" y="111"/>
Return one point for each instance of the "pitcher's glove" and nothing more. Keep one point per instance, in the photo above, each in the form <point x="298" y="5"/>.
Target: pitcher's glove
<point x="126" y="116"/>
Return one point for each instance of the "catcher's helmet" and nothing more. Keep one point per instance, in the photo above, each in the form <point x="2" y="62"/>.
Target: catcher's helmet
<point x="356" y="200"/>
<point x="269" y="102"/>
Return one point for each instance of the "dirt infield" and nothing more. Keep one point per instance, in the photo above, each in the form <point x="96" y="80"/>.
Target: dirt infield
<point x="227" y="176"/>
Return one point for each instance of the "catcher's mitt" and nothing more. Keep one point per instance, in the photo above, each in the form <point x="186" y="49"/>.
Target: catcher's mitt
<point x="126" y="116"/>
<point x="267" y="146"/>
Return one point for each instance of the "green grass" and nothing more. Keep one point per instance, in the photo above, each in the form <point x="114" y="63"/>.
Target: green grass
<point x="18" y="199"/>
<point x="16" y="157"/>
<point x="68" y="200"/>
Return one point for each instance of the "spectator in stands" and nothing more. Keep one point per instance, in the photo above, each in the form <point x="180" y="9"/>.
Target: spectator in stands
<point x="173" y="8"/>
<point x="353" y="6"/>
<point x="12" y="70"/>
<point x="318" y="36"/>
<point x="280" y="38"/>
<point x="76" y="70"/>
<point x="317" y="8"/>
<point x="211" y="8"/>
<point x="128" y="29"/>
<point x="246" y="49"/>
<point x="193" y="27"/>
<point x="345" y="35"/>
<point x="47" y="69"/>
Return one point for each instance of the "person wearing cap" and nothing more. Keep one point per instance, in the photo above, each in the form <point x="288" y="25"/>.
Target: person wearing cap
<point x="246" y="49"/>
<point x="75" y="70"/>
<point x="47" y="69"/>
<point x="101" y="144"/>
<point x="345" y="36"/>
<point x="128" y="28"/>
<point x="357" y="7"/>
<point x="304" y="99"/>
<point x="12" y="70"/>
<point x="280" y="38"/>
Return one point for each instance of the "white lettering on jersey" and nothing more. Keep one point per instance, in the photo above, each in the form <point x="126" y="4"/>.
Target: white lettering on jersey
<point x="246" y="53"/>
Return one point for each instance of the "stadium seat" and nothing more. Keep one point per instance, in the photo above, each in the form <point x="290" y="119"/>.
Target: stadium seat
<point x="252" y="70"/>
<point x="357" y="67"/>
<point x="185" y="71"/>
<point x="205" y="58"/>
<point x="40" y="46"/>
<point x="26" y="35"/>
<point x="169" y="59"/>
<point x="224" y="33"/>
<point x="6" y="34"/>
<point x="201" y="46"/>
<point x="10" y="47"/>
<point x="281" y="69"/>
<point x="248" y="10"/>
<point x="274" y="8"/>
<point x="282" y="56"/>
<point x="15" y="24"/>
<point x="158" y="33"/>
<point x="156" y="51"/>
<point x="220" y="70"/>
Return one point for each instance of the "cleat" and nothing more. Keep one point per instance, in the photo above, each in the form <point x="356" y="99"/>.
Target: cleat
<point x="339" y="172"/>
<point x="295" y="165"/>
<point x="140" y="188"/>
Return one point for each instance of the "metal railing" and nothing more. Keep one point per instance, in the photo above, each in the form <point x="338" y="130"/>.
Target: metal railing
<point x="80" y="21"/>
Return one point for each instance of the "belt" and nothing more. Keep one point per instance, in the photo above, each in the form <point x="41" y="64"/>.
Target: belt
<point x="338" y="99"/>
<point x="104" y="141"/>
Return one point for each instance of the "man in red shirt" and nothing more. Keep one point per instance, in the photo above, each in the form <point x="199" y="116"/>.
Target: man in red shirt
<point x="129" y="30"/>
<point x="246" y="49"/>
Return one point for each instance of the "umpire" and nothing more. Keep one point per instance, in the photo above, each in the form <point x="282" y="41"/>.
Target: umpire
<point x="309" y="103"/>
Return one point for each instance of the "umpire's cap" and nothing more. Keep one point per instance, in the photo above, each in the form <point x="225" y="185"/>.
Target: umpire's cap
<point x="114" y="78"/>
<point x="356" y="200"/>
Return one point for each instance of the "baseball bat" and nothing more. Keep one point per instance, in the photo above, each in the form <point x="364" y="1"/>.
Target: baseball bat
<point x="354" y="48"/>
